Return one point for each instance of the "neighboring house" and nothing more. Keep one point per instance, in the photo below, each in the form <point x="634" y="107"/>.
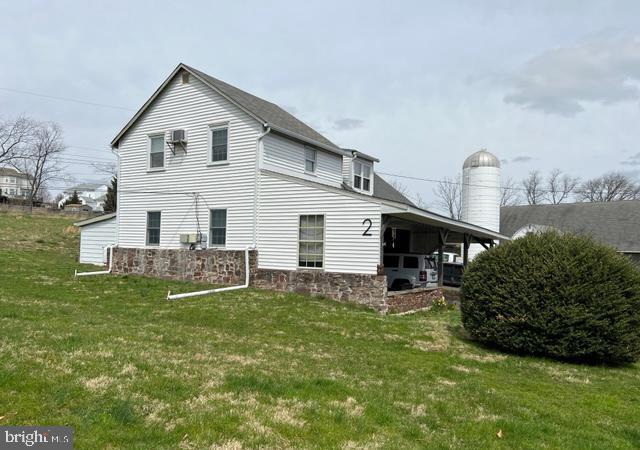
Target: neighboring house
<point x="92" y="195"/>
<point x="616" y="224"/>
<point x="204" y="164"/>
<point x="96" y="235"/>
<point x="13" y="184"/>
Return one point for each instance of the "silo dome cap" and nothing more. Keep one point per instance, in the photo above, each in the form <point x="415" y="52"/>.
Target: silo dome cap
<point x="481" y="158"/>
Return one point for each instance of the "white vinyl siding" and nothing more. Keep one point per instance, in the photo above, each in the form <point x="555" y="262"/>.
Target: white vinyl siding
<point x="94" y="238"/>
<point x="290" y="157"/>
<point x="193" y="107"/>
<point x="346" y="250"/>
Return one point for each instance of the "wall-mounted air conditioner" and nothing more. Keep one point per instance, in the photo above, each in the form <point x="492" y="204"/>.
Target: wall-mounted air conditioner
<point x="191" y="238"/>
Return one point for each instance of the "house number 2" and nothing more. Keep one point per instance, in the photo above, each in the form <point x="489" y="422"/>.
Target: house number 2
<point x="368" y="223"/>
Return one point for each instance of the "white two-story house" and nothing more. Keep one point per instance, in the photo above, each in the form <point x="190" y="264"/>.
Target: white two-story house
<point x="13" y="184"/>
<point x="207" y="170"/>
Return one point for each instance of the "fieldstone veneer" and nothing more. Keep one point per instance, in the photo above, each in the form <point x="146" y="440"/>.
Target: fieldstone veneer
<point x="227" y="267"/>
<point x="210" y="266"/>
<point x="369" y="290"/>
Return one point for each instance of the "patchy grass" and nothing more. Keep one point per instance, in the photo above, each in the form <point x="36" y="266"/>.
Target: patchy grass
<point x="127" y="369"/>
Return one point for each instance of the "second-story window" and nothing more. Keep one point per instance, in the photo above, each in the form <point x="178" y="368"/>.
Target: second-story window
<point x="156" y="151"/>
<point x="361" y="176"/>
<point x="310" y="160"/>
<point x="219" y="143"/>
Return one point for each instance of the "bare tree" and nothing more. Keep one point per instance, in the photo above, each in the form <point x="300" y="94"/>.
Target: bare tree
<point x="14" y="137"/>
<point x="560" y="186"/>
<point x="611" y="187"/>
<point x="40" y="161"/>
<point x="533" y="189"/>
<point x="400" y="187"/>
<point x="510" y="193"/>
<point x="112" y="170"/>
<point x="449" y="195"/>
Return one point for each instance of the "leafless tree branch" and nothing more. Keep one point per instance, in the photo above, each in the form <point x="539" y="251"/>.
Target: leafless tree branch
<point x="560" y="186"/>
<point x="533" y="189"/>
<point x="610" y="187"/>
<point x="449" y="195"/>
<point x="510" y="193"/>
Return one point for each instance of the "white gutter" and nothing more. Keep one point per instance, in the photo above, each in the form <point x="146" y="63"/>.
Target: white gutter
<point x="100" y="272"/>
<point x="257" y="183"/>
<point x="224" y="289"/>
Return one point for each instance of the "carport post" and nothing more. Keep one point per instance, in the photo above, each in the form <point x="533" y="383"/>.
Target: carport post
<point x="442" y="240"/>
<point x="465" y="249"/>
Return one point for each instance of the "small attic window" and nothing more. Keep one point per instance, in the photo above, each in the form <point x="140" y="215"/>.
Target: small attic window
<point x="185" y="77"/>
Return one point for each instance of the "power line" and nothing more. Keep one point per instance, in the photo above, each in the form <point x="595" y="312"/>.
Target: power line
<point x="460" y="183"/>
<point x="65" y="99"/>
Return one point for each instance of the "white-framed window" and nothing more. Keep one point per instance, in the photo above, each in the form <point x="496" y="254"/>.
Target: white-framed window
<point x="156" y="151"/>
<point x="153" y="227"/>
<point x="310" y="160"/>
<point x="217" y="227"/>
<point x="219" y="138"/>
<point x="362" y="176"/>
<point x="311" y="241"/>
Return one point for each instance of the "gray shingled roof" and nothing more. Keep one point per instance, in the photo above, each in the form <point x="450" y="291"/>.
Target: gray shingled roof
<point x="613" y="223"/>
<point x="267" y="111"/>
<point x="383" y="190"/>
<point x="8" y="171"/>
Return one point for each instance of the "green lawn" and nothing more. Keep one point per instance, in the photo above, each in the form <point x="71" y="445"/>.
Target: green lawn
<point x="112" y="358"/>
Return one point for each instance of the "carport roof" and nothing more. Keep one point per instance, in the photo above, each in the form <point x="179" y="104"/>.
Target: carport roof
<point x="422" y="216"/>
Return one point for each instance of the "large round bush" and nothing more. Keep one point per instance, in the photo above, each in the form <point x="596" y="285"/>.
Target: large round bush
<point x="553" y="294"/>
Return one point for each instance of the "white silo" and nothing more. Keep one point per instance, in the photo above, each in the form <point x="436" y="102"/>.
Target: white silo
<point x="481" y="193"/>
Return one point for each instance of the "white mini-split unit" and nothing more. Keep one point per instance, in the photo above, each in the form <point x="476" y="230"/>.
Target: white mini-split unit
<point x="191" y="238"/>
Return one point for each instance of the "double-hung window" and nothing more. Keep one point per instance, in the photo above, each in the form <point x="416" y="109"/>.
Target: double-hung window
<point x="362" y="176"/>
<point x="156" y="151"/>
<point x="153" y="228"/>
<point x="311" y="241"/>
<point x="310" y="160"/>
<point x="218" y="227"/>
<point x="219" y="143"/>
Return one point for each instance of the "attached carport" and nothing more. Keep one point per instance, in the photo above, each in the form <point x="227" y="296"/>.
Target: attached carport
<point x="429" y="232"/>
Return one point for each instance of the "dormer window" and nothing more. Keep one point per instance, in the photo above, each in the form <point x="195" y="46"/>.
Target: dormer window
<point x="361" y="176"/>
<point x="310" y="160"/>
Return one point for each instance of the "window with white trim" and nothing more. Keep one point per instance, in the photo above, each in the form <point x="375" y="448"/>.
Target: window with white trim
<point x="153" y="227"/>
<point x="156" y="151"/>
<point x="362" y="176"/>
<point x="310" y="159"/>
<point x="311" y="241"/>
<point x="218" y="227"/>
<point x="219" y="143"/>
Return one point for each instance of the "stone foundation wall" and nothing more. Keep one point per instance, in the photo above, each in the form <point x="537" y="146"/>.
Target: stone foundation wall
<point x="412" y="300"/>
<point x="211" y="266"/>
<point x="369" y="290"/>
<point x="226" y="267"/>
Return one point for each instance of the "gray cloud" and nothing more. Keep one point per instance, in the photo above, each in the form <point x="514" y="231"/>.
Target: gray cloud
<point x="347" y="124"/>
<point x="521" y="159"/>
<point x="561" y="80"/>
<point x="633" y="160"/>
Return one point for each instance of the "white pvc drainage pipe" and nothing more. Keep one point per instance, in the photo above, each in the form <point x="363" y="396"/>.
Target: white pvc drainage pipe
<point x="100" y="272"/>
<point x="213" y="291"/>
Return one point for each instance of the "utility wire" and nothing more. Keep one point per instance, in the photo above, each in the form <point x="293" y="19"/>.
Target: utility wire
<point x="65" y="99"/>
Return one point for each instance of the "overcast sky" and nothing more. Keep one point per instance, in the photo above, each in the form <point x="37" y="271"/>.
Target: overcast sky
<point x="421" y="85"/>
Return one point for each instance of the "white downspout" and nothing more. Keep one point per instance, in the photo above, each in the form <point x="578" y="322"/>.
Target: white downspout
<point x="100" y="272"/>
<point x="213" y="291"/>
<point x="256" y="193"/>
